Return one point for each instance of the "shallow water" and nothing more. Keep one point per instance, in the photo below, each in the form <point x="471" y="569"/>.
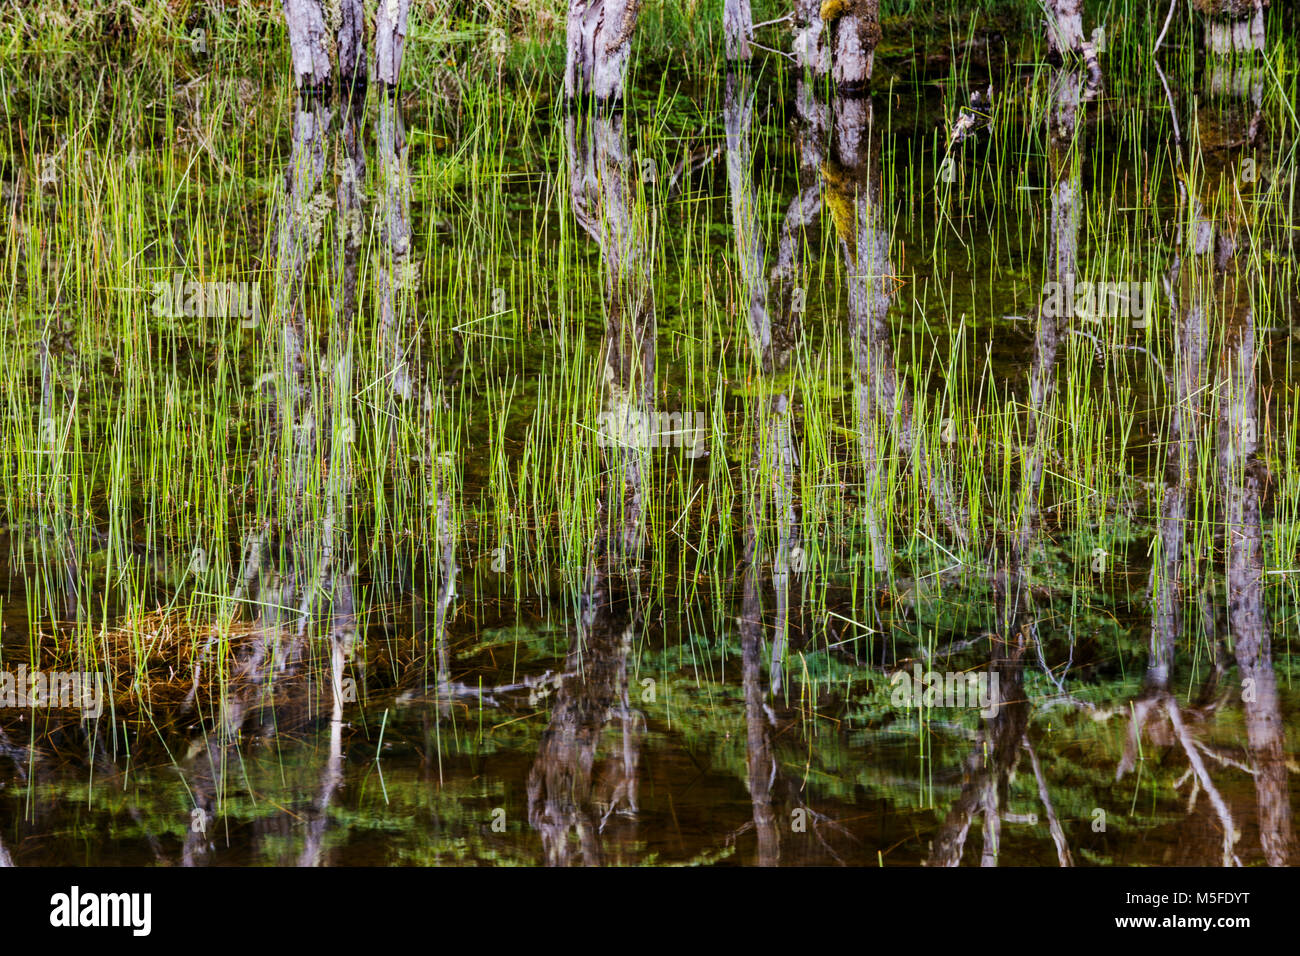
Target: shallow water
<point x="476" y="629"/>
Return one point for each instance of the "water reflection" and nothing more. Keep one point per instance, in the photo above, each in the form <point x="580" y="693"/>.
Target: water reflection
<point x="773" y="457"/>
<point x="988" y="770"/>
<point x="570" y="795"/>
<point x="298" y="565"/>
<point x="587" y="773"/>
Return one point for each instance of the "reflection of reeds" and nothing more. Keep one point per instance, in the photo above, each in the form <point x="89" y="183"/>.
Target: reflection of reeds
<point x="136" y="444"/>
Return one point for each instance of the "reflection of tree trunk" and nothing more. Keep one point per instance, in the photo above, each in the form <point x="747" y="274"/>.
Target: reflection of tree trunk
<point x="800" y="215"/>
<point x="601" y="189"/>
<point x="296" y="417"/>
<point x="300" y="558"/>
<point x="349" y="201"/>
<point x="990" y="766"/>
<point x="564" y="792"/>
<point x="775" y="456"/>
<point x="1066" y="199"/>
<point x="54" y="530"/>
<point x="738" y="116"/>
<point x="332" y="773"/>
<point x="562" y="785"/>
<point x="853" y="192"/>
<point x="599" y="47"/>
<point x="1166" y="571"/>
<point x="1241" y="479"/>
<point x="396" y="276"/>
<point x="759" y="756"/>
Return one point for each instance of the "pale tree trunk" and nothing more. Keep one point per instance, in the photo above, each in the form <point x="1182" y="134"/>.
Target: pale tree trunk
<point x="855" y="28"/>
<point x="738" y="29"/>
<point x="602" y="189"/>
<point x="395" y="278"/>
<point x="309" y="42"/>
<point x="760" y="760"/>
<point x="811" y="51"/>
<point x="1243" y="479"/>
<point x="992" y="765"/>
<point x="1066" y="39"/>
<point x="737" y="121"/>
<point x="352" y="42"/>
<point x="390" y="38"/>
<point x="884" y="401"/>
<point x="323" y="35"/>
<point x="1064" y="26"/>
<point x="305" y="199"/>
<point x="1232" y="26"/>
<point x="570" y="794"/>
<point x="800" y="215"/>
<point x="599" y="47"/>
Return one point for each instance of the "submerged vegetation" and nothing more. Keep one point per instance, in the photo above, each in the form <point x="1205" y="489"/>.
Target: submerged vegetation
<point x="611" y="432"/>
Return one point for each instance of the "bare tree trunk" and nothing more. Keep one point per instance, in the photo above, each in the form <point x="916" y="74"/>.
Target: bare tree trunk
<point x="309" y="42"/>
<point x="760" y="759"/>
<point x="390" y="37"/>
<point x="738" y="29"/>
<point x="855" y="28"/>
<point x="811" y="50"/>
<point x="775" y="455"/>
<point x="1232" y="26"/>
<point x="853" y="182"/>
<point x="1066" y="39"/>
<point x="1166" y="571"/>
<point x="738" y="117"/>
<point x="1064" y="26"/>
<point x="800" y="215"/>
<point x="991" y="765"/>
<point x="352" y="42"/>
<point x="599" y="47"/>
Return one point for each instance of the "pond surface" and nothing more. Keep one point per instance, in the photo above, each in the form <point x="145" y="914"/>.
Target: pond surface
<point x="751" y="475"/>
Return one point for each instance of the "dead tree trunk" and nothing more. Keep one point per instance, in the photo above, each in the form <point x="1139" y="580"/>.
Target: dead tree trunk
<point x="309" y="43"/>
<point x="1242" y="478"/>
<point x="738" y="29"/>
<point x="1232" y="26"/>
<point x="1066" y="40"/>
<point x="390" y="37"/>
<point x="351" y="43"/>
<point x="328" y="40"/>
<point x="599" y="47"/>
<point x="855" y="30"/>
<point x="811" y="51"/>
<point x="1064" y="27"/>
